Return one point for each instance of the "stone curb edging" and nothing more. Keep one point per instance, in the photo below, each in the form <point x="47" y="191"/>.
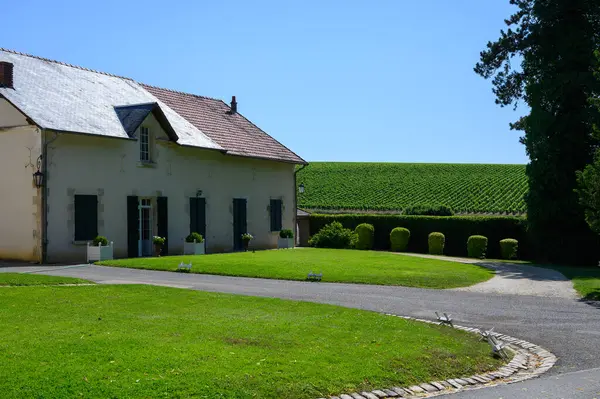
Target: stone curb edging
<point x="529" y="361"/>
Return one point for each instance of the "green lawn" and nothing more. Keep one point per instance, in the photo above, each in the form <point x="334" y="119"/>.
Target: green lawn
<point x="20" y="279"/>
<point x="157" y="342"/>
<point x="337" y="265"/>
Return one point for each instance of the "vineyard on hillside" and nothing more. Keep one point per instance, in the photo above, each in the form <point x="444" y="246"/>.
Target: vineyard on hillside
<point x="467" y="188"/>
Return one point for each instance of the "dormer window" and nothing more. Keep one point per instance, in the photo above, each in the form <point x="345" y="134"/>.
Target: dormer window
<point x="144" y="144"/>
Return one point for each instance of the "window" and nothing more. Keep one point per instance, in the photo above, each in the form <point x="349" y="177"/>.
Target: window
<point x="276" y="207"/>
<point x="144" y="144"/>
<point x="86" y="217"/>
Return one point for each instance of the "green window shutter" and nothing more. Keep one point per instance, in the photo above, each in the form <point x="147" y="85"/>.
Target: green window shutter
<point x="163" y="222"/>
<point x="86" y="217"/>
<point x="275" y="210"/>
<point x="133" y="226"/>
<point x="198" y="215"/>
<point x="240" y="223"/>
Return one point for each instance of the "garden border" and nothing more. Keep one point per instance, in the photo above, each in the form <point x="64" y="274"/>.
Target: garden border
<point x="529" y="361"/>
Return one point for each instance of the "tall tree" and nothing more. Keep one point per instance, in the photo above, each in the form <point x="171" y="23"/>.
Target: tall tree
<point x="546" y="58"/>
<point x="589" y="192"/>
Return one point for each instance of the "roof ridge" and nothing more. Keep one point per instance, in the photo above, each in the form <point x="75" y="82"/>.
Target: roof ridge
<point x="183" y="92"/>
<point x="64" y="63"/>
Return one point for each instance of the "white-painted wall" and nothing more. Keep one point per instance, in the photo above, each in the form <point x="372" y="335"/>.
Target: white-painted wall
<point x="110" y="168"/>
<point x="20" y="206"/>
<point x="10" y="116"/>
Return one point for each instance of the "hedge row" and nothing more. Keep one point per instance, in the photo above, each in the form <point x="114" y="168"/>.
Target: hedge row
<point x="457" y="230"/>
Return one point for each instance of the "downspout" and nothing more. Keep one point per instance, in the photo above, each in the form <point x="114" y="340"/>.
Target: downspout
<point x="296" y="227"/>
<point x="44" y="220"/>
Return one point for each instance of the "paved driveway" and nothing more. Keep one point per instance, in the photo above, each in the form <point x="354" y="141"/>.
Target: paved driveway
<point x="567" y="327"/>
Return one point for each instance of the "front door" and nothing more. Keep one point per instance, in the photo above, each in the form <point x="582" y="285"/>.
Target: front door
<point x="146" y="230"/>
<point x="239" y="223"/>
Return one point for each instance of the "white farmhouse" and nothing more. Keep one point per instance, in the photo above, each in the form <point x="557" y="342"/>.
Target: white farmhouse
<point x="128" y="161"/>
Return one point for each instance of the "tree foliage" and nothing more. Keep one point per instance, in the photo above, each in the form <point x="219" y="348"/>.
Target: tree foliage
<point x="546" y="59"/>
<point x="589" y="192"/>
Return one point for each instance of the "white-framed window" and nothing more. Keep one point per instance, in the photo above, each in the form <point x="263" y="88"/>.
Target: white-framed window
<point x="144" y="144"/>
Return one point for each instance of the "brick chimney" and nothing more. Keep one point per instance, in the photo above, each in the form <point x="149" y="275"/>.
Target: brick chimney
<point x="233" y="105"/>
<point x="6" y="74"/>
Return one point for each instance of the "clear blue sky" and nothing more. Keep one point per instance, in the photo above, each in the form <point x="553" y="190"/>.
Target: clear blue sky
<point x="335" y="80"/>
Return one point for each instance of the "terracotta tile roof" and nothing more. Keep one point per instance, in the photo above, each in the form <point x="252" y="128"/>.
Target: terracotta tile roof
<point x="236" y="134"/>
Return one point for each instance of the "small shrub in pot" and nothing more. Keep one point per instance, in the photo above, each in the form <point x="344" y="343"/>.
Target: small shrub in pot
<point x="100" y="240"/>
<point x="286" y="233"/>
<point x="477" y="247"/>
<point x="365" y="233"/>
<point x="436" y="243"/>
<point x="509" y="248"/>
<point x="399" y="238"/>
<point x="194" y="237"/>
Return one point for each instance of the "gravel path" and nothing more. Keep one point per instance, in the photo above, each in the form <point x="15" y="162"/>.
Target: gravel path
<point x="515" y="279"/>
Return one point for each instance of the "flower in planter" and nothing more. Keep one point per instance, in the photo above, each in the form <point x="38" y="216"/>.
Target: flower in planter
<point x="194" y="237"/>
<point x="100" y="240"/>
<point x="246" y="237"/>
<point x="156" y="240"/>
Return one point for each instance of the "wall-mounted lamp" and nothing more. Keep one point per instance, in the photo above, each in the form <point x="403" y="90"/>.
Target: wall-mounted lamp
<point x="38" y="177"/>
<point x="198" y="193"/>
<point x="301" y="188"/>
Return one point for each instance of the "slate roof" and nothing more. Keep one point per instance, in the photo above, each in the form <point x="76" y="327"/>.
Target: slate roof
<point x="69" y="98"/>
<point x="66" y="98"/>
<point x="132" y="116"/>
<point x="231" y="131"/>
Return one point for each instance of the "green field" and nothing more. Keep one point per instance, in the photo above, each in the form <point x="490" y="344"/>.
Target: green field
<point x="337" y="265"/>
<point x="108" y="341"/>
<point x="24" y="279"/>
<point x="467" y="188"/>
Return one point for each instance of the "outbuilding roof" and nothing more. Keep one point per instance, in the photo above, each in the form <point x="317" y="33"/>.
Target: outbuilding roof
<point x="69" y="98"/>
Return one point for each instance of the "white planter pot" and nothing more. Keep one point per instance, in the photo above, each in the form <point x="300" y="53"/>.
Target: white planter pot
<point x="285" y="243"/>
<point x="97" y="253"/>
<point x="194" y="248"/>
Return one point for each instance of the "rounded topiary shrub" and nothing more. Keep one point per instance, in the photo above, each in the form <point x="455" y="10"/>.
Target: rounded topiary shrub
<point x="365" y="233"/>
<point x="436" y="243"/>
<point x="286" y="233"/>
<point x="333" y="235"/>
<point x="399" y="239"/>
<point x="194" y="237"/>
<point x="508" y="248"/>
<point x="101" y="240"/>
<point x="477" y="246"/>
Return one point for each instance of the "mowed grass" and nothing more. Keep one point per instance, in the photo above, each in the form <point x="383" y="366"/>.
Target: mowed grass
<point x="158" y="342"/>
<point x="337" y="265"/>
<point x="22" y="279"/>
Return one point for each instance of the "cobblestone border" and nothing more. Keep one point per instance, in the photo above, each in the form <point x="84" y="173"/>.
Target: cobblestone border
<point x="529" y="361"/>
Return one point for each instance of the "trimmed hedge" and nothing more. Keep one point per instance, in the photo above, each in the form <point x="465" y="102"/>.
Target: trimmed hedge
<point x="428" y="210"/>
<point x="364" y="236"/>
<point x="457" y="230"/>
<point x="399" y="238"/>
<point x="477" y="247"/>
<point x="509" y="248"/>
<point x="436" y="242"/>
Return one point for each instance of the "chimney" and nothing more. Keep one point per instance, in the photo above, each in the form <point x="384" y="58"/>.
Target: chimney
<point x="233" y="105"/>
<point x="6" y="74"/>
